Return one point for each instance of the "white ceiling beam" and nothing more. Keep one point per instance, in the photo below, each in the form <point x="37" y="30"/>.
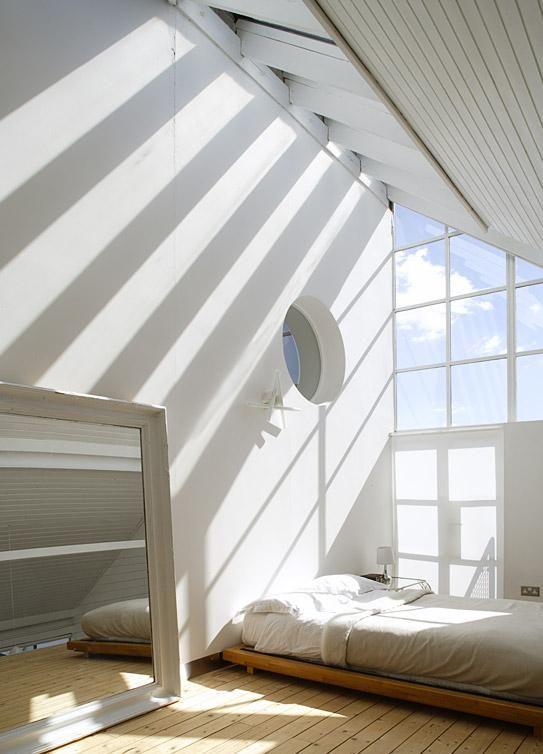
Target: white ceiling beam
<point x="295" y="54"/>
<point x="460" y="220"/>
<point x="289" y="13"/>
<point x="411" y="183"/>
<point x="224" y="37"/>
<point x="349" y="109"/>
<point x="378" y="148"/>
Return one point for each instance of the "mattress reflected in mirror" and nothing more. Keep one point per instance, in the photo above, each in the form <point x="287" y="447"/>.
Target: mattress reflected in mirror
<point x="74" y="598"/>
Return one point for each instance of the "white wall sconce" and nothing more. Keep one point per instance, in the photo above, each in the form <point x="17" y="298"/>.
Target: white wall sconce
<point x="272" y="400"/>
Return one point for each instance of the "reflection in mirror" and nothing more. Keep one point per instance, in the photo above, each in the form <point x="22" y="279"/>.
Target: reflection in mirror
<point x="74" y="606"/>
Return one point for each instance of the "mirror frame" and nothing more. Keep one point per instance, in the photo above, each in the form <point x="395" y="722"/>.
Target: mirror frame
<point x="44" y="735"/>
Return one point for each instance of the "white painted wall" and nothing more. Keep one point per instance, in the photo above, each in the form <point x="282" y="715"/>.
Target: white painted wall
<point x="159" y="216"/>
<point x="523" y="507"/>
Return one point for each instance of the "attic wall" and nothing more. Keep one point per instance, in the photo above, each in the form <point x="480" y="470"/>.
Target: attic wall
<point x="56" y="507"/>
<point x="156" y="226"/>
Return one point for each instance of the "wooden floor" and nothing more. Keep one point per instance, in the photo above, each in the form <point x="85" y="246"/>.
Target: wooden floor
<point x="229" y="711"/>
<point x="34" y="685"/>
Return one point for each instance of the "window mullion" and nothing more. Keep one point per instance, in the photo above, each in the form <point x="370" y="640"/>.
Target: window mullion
<point x="509" y="354"/>
<point x="394" y="348"/>
<point x="511" y="341"/>
<point x="448" y="327"/>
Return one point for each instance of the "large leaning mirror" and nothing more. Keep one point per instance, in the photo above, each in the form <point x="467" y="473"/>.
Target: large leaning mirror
<point x="79" y="505"/>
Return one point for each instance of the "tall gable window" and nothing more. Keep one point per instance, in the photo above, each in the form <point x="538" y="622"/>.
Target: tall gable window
<point x="468" y="329"/>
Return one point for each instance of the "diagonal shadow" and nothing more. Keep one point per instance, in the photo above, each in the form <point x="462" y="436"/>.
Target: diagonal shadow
<point x="484" y="570"/>
<point x="30" y="31"/>
<point x="232" y="440"/>
<point x="364" y="287"/>
<point x="258" y="297"/>
<point x="320" y="504"/>
<point x="286" y="473"/>
<point x="366" y="352"/>
<point x="175" y="312"/>
<point x="359" y="432"/>
<point x="49" y="336"/>
<point x="34" y="206"/>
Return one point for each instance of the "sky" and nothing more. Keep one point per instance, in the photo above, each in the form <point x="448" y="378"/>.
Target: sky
<point x="478" y="327"/>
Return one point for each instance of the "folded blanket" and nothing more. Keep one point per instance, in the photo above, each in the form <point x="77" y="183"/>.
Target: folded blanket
<point x="337" y="630"/>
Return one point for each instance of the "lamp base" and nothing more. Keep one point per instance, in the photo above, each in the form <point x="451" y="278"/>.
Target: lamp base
<point x="385" y="578"/>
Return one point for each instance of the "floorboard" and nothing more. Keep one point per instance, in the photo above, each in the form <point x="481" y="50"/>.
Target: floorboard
<point x="39" y="683"/>
<point x="229" y="711"/>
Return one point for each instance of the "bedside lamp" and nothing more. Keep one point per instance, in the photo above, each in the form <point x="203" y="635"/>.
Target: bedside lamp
<point x="385" y="557"/>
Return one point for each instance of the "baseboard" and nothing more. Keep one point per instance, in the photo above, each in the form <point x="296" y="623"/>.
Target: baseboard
<point x="204" y="665"/>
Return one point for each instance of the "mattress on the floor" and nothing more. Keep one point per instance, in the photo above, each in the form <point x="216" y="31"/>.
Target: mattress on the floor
<point x="129" y="620"/>
<point x="493" y="647"/>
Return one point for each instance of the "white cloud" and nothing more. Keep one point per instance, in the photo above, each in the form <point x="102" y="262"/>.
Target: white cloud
<point x="426" y="323"/>
<point x="494" y="344"/>
<point x="418" y="278"/>
<point x="460" y="284"/>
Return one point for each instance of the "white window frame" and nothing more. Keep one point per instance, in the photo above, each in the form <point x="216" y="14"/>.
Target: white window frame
<point x="490" y="435"/>
<point x="52" y="732"/>
<point x="511" y="355"/>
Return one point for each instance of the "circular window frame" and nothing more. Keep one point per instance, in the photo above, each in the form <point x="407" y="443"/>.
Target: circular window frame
<point x="330" y="345"/>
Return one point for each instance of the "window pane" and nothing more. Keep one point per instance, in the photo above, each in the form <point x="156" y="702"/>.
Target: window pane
<point x="420" y="399"/>
<point x="478" y="532"/>
<point x="524" y="271"/>
<point x="420" y="336"/>
<point x="529" y="393"/>
<point x="475" y="265"/>
<point x="415" y="474"/>
<point x="417" y="529"/>
<point x="479" y="392"/>
<point x="529" y="317"/>
<point x="472" y="474"/>
<point x="290" y="352"/>
<point x="410" y="227"/>
<point x="420" y="274"/>
<point x="420" y="569"/>
<point x="479" y="326"/>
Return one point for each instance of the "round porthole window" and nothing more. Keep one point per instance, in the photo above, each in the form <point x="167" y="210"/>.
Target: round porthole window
<point x="313" y="350"/>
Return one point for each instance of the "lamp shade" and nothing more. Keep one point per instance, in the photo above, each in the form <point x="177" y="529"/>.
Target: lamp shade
<point x="385" y="556"/>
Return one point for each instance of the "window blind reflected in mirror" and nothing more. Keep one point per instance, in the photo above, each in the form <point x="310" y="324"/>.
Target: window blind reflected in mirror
<point x="74" y="595"/>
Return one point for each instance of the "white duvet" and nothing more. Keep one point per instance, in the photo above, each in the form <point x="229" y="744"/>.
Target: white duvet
<point x="319" y="630"/>
<point x="120" y="621"/>
<point x="491" y="646"/>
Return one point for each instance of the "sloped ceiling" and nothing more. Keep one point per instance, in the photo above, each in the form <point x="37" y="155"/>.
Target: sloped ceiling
<point x="442" y="101"/>
<point x="466" y="75"/>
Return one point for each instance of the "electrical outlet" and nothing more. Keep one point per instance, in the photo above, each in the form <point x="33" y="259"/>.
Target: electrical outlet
<point x="529" y="591"/>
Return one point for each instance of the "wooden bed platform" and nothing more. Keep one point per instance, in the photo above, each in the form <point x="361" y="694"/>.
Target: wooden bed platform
<point x="460" y="701"/>
<point x="125" y="649"/>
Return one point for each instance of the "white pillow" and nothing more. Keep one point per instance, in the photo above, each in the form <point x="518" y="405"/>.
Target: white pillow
<point x="276" y="603"/>
<point x="344" y="583"/>
<point x="296" y="603"/>
<point x="323" y="594"/>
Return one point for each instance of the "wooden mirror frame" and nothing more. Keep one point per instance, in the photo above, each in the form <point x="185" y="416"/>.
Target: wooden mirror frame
<point x="90" y="717"/>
